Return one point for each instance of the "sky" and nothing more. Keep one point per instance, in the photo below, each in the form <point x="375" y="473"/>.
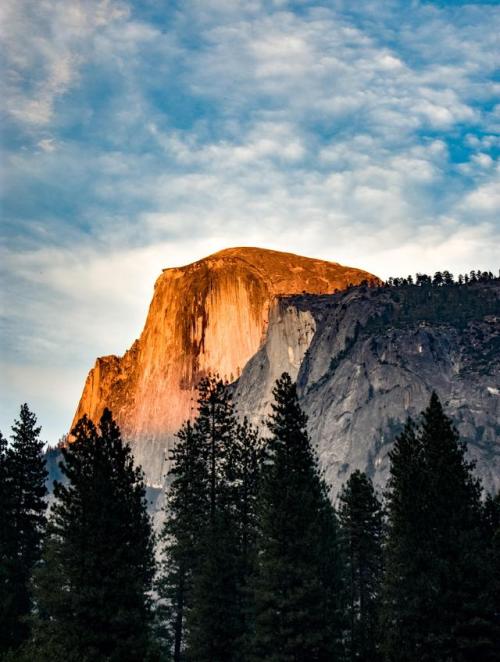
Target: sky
<point x="142" y="135"/>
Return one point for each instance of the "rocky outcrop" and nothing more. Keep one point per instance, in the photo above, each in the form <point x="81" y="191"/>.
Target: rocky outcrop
<point x="368" y="358"/>
<point x="364" y="358"/>
<point x="209" y="316"/>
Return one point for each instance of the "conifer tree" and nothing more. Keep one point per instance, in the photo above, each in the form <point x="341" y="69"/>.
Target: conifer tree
<point x="246" y="454"/>
<point x="92" y="591"/>
<point x="23" y="522"/>
<point x="186" y="513"/>
<point x="361" y="520"/>
<point x="5" y="554"/>
<point x="434" y="563"/>
<point x="209" y="534"/>
<point x="403" y="563"/>
<point x="244" y="470"/>
<point x="213" y="621"/>
<point x="491" y="539"/>
<point x="297" y="587"/>
<point x="5" y="518"/>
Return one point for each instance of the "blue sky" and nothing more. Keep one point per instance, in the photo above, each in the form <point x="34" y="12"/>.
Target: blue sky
<point x="143" y="135"/>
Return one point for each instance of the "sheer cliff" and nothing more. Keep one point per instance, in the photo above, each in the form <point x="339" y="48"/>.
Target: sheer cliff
<point x="364" y="357"/>
<point x="367" y="358"/>
<point x="209" y="316"/>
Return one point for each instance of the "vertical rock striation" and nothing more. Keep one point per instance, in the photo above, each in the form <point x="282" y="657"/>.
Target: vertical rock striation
<point x="364" y="358"/>
<point x="209" y="316"/>
<point x="375" y="356"/>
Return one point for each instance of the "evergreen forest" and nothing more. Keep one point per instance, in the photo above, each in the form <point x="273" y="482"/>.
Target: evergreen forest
<point x="254" y="561"/>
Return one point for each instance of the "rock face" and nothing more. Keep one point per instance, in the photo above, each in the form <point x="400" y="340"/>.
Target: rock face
<point x="209" y="316"/>
<point x="364" y="358"/>
<point x="367" y="358"/>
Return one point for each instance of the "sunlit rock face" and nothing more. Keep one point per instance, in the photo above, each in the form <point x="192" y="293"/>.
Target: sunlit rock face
<point x="209" y="316"/>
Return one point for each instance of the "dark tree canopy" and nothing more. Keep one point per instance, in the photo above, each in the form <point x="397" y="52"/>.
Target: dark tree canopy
<point x="185" y="516"/>
<point x="23" y="491"/>
<point x="434" y="563"/>
<point x="297" y="587"/>
<point x="361" y="520"/>
<point x="99" y="554"/>
<point x="209" y="531"/>
<point x="212" y="620"/>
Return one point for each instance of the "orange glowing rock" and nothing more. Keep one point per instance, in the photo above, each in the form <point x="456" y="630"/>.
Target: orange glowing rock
<point x="209" y="316"/>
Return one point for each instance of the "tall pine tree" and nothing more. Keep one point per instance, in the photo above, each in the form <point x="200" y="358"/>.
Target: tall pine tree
<point x="298" y="582"/>
<point x="6" y="539"/>
<point x="245" y="466"/>
<point x="361" y="519"/>
<point x="213" y="622"/>
<point x="434" y="562"/>
<point x="491" y="596"/>
<point x="186" y="511"/>
<point x="404" y="567"/>
<point x="209" y="533"/>
<point x="23" y="522"/>
<point x="92" y="591"/>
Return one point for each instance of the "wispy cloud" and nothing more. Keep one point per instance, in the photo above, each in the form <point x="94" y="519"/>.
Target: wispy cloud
<point x="141" y="135"/>
<point x="44" y="44"/>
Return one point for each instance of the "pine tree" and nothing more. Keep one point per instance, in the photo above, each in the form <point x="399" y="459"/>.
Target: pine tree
<point x="491" y="596"/>
<point x="186" y="514"/>
<point x="6" y="539"/>
<point x="434" y="561"/>
<point x="209" y="533"/>
<point x="361" y="519"/>
<point x="213" y="622"/>
<point x="23" y="523"/>
<point x="297" y="588"/>
<point x="404" y="567"/>
<point x="244" y="471"/>
<point x="246" y="454"/>
<point x="92" y="591"/>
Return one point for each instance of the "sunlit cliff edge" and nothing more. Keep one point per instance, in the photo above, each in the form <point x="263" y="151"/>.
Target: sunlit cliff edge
<point x="209" y="316"/>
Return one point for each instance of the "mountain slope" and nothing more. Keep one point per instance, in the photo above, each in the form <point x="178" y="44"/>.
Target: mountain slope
<point x="209" y="316"/>
<point x="366" y="358"/>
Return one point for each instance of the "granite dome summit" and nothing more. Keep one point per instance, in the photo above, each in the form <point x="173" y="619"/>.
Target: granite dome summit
<point x="208" y="316"/>
<point x="364" y="358"/>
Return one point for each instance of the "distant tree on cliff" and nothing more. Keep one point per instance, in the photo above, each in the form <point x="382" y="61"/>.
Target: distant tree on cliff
<point x="92" y="591"/>
<point x="298" y="581"/>
<point x="361" y="520"/>
<point x="435" y="563"/>
<point x="23" y="491"/>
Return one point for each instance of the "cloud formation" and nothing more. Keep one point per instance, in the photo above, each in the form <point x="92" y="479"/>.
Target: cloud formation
<point x="141" y="135"/>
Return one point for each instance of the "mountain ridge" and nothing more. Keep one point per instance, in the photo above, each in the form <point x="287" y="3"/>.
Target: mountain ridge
<point x="369" y="357"/>
<point x="363" y="357"/>
<point x="208" y="316"/>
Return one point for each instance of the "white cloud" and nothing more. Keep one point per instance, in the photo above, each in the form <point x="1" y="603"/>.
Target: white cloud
<point x="323" y="132"/>
<point x="483" y="160"/>
<point x="485" y="198"/>
<point x="388" y="61"/>
<point x="41" y="68"/>
<point x="47" y="144"/>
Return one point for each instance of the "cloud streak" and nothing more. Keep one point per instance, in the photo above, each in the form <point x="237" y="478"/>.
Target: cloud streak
<point x="144" y="135"/>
